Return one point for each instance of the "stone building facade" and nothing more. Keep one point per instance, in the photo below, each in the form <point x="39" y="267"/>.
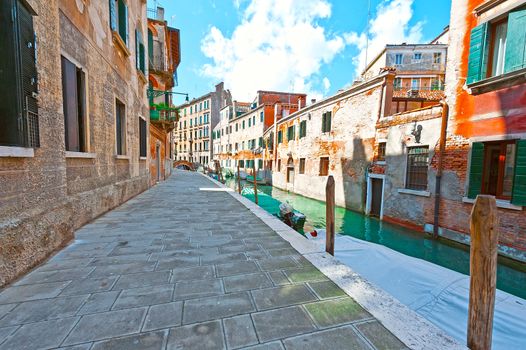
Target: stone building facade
<point x="80" y="154"/>
<point x="198" y="117"/>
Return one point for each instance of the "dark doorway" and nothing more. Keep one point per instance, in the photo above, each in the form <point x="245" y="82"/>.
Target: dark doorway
<point x="376" y="198"/>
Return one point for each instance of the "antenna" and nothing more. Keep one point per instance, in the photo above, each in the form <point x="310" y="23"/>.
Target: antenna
<point x="367" y="33"/>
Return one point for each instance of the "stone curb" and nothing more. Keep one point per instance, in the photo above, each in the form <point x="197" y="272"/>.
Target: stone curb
<point x="412" y="329"/>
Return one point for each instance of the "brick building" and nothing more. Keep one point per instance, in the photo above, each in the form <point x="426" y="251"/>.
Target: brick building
<point x="70" y="122"/>
<point x="164" y="57"/>
<point x="485" y="150"/>
<point x="198" y="117"/>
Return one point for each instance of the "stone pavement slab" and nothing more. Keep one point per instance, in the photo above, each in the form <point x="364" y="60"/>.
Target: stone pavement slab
<point x="180" y="268"/>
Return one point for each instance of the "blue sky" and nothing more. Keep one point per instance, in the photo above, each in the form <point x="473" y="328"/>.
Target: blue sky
<point x="312" y="46"/>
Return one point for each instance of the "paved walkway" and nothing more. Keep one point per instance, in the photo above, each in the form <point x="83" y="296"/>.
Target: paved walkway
<point x="179" y="267"/>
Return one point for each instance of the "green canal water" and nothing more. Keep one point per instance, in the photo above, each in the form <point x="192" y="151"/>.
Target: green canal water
<point x="511" y="275"/>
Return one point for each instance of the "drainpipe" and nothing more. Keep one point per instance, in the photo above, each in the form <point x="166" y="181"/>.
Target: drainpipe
<point x="442" y="149"/>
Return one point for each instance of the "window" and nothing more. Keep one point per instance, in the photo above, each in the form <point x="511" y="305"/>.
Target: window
<point x="497" y="169"/>
<point x="415" y="84"/>
<point x="142" y="138"/>
<point x="381" y="151"/>
<point x="119" y="19"/>
<point x="120" y="123"/>
<point x="417" y="56"/>
<point x="303" y="128"/>
<point x="280" y="136"/>
<point x="302" y="165"/>
<point x="326" y="122"/>
<point x="260" y="163"/>
<point x="261" y="116"/>
<point x="498" y="34"/>
<point x="140" y="52"/>
<point x="399" y="58"/>
<point x="249" y="122"/>
<point x="237" y="127"/>
<point x="397" y="83"/>
<point x="437" y="57"/>
<point x="243" y="124"/>
<point x="18" y="74"/>
<point x="291" y="133"/>
<point x="253" y="120"/>
<point x="200" y="120"/>
<point x="497" y="47"/>
<point x="324" y="166"/>
<point x="417" y="165"/>
<point x="74" y="106"/>
<point x="279" y="164"/>
<point x="260" y="142"/>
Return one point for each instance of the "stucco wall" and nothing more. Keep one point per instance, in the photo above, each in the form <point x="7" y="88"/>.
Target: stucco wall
<point x="349" y="147"/>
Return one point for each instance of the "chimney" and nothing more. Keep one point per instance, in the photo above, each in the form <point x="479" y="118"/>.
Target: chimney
<point x="160" y="13"/>
<point x="312" y="101"/>
<point x="299" y="103"/>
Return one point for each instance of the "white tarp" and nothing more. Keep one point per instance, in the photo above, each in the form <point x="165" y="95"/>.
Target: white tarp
<point x="438" y="294"/>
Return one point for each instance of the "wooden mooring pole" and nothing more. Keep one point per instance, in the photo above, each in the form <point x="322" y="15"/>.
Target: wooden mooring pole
<point x="255" y="181"/>
<point x="483" y="272"/>
<point x="329" y="215"/>
<point x="238" y="179"/>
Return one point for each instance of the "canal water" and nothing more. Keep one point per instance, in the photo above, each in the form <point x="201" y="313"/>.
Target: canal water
<point x="511" y="275"/>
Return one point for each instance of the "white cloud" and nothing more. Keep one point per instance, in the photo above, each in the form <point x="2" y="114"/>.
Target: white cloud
<point x="326" y="84"/>
<point x="390" y="26"/>
<point x="277" y="46"/>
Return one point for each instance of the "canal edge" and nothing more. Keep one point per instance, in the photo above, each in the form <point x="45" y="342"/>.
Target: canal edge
<point x="413" y="330"/>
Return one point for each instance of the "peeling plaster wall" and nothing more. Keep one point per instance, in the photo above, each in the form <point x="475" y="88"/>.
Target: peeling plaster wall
<point x="46" y="197"/>
<point x="407" y="208"/>
<point x="349" y="147"/>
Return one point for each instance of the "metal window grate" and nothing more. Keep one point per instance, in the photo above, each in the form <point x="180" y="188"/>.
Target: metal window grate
<point x="33" y="133"/>
<point x="417" y="165"/>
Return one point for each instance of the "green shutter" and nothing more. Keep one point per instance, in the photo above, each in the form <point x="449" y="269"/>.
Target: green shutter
<point x="478" y="54"/>
<point x="323" y="122"/>
<point x="518" y="196"/>
<point x="123" y="21"/>
<point x="516" y="41"/>
<point x="329" y="121"/>
<point x="137" y="60"/>
<point x="280" y="136"/>
<point x="113" y="16"/>
<point x="475" y="172"/>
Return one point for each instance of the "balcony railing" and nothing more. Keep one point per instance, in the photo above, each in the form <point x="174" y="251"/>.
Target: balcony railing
<point x="420" y="88"/>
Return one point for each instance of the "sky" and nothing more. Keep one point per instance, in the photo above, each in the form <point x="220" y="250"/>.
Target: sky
<point x="310" y="46"/>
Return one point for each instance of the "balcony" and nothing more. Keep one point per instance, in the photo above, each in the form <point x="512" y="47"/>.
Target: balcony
<point x="164" y="116"/>
<point x="432" y="93"/>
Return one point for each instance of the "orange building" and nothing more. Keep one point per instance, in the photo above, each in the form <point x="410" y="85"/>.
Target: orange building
<point x="485" y="151"/>
<point x="164" y="58"/>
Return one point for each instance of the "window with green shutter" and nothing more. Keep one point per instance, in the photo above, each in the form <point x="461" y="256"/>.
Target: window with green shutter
<point x="280" y="136"/>
<point x="290" y="133"/>
<point x="516" y="41"/>
<point x="326" y="122"/>
<point x="18" y="73"/>
<point x="518" y="196"/>
<point x="475" y="170"/>
<point x="303" y="129"/>
<point x="478" y="54"/>
<point x="498" y="168"/>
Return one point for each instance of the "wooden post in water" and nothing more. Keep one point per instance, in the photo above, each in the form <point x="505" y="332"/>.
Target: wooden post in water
<point x="238" y="179"/>
<point x="483" y="272"/>
<point x="329" y="215"/>
<point x="255" y="180"/>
